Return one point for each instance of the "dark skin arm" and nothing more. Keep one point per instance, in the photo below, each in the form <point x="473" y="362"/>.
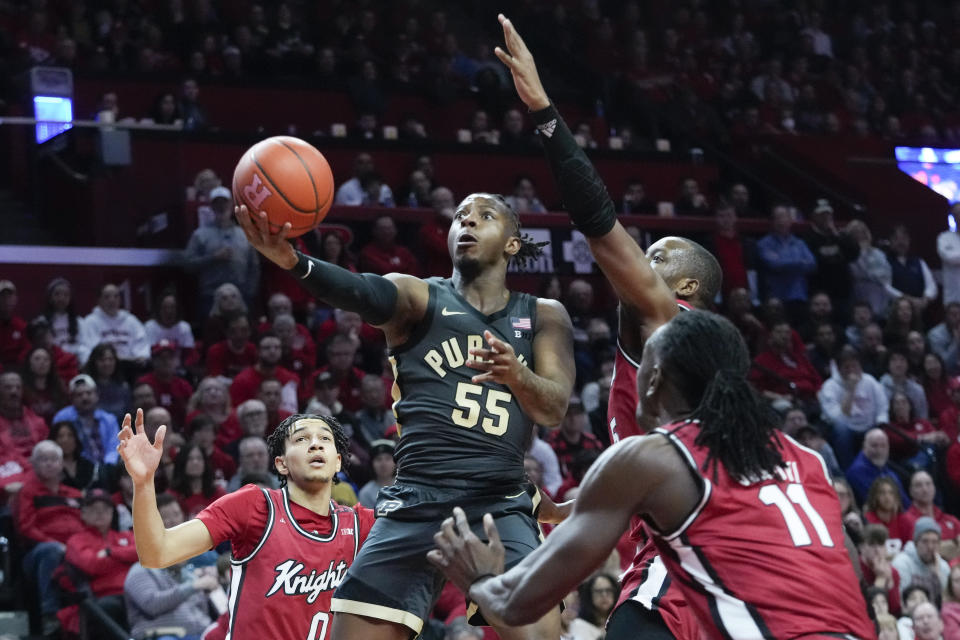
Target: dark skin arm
<point x="550" y="512"/>
<point x="542" y="395"/>
<point x="648" y="464"/>
<point x="412" y="292"/>
<point x="622" y="261"/>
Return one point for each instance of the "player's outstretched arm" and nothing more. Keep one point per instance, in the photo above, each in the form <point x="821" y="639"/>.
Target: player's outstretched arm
<point x="583" y="193"/>
<point x="543" y="394"/>
<point x="157" y="546"/>
<point x="381" y="301"/>
<point x="575" y="549"/>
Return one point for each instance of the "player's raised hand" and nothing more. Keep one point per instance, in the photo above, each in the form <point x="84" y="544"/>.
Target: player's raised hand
<point x="520" y="62"/>
<point x="499" y="363"/>
<point x="273" y="246"/>
<point x="461" y="555"/>
<point x="140" y="456"/>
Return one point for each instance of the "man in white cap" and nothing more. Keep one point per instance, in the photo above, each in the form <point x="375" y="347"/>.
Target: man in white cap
<point x="920" y="563"/>
<point x="96" y="428"/>
<point x="220" y="253"/>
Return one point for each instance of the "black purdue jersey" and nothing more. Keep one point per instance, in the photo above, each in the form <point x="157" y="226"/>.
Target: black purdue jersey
<point x="454" y="433"/>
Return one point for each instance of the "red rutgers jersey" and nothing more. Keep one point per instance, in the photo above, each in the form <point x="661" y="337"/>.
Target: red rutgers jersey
<point x="622" y="407"/>
<point x="646" y="580"/>
<point x="283" y="588"/>
<point x="764" y="559"/>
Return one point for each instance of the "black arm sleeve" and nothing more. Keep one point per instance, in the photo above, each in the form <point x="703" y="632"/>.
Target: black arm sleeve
<point x="581" y="190"/>
<point x="372" y="296"/>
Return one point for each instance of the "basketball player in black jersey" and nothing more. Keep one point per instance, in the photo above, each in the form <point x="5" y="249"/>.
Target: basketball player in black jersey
<point x="476" y="365"/>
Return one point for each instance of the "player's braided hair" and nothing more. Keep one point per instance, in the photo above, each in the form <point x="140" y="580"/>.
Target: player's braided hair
<point x="705" y="358"/>
<point x="529" y="249"/>
<point x="277" y="441"/>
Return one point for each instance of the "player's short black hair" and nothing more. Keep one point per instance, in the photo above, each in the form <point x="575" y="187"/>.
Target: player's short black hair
<point x="529" y="249"/>
<point x="277" y="441"/>
<point x="701" y="265"/>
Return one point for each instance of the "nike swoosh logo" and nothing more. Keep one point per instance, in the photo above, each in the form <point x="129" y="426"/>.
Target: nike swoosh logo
<point x="516" y="496"/>
<point x="447" y="312"/>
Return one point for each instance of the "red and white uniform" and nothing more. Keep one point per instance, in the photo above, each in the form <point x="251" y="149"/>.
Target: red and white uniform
<point x="764" y="559"/>
<point x="646" y="580"/>
<point x="287" y="561"/>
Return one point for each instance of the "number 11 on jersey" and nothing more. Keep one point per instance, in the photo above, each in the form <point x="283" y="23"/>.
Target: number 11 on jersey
<point x="771" y="494"/>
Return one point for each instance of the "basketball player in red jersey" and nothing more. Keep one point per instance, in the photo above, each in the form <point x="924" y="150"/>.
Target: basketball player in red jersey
<point x="675" y="274"/>
<point x="290" y="547"/>
<point x="746" y="520"/>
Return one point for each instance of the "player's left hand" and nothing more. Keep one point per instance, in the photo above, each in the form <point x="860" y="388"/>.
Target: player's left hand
<point x="499" y="363"/>
<point x="522" y="67"/>
<point x="461" y="555"/>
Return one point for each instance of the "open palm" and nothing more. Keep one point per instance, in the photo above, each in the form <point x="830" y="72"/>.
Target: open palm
<point x="140" y="456"/>
<point x="522" y="67"/>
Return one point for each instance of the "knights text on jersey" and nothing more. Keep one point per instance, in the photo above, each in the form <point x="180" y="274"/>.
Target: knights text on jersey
<point x="467" y="435"/>
<point x="764" y="559"/>
<point x="283" y="588"/>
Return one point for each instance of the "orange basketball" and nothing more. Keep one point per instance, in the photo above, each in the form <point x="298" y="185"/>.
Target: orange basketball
<point x="288" y="179"/>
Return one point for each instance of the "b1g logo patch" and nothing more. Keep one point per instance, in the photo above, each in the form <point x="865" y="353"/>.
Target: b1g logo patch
<point x="387" y="506"/>
<point x="256" y="192"/>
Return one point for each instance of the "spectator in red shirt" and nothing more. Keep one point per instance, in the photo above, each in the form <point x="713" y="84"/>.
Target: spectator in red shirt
<point x="383" y="255"/>
<point x="249" y="419"/>
<point x="229" y="357"/>
<point x="13" y="329"/>
<point x="144" y="397"/>
<point x="341" y="354"/>
<point x="883" y="506"/>
<point x="875" y="565"/>
<point x="280" y="304"/>
<point x="935" y="385"/>
<point x="39" y="335"/>
<point x="299" y="350"/>
<point x="203" y="432"/>
<point x="43" y="390"/>
<point x="173" y="392"/>
<point x="227" y="302"/>
<point x="211" y="399"/>
<point x="573" y="436"/>
<point x="193" y="480"/>
<point x="103" y="554"/>
<point x="270" y="394"/>
<point x="740" y="312"/>
<point x="247" y="382"/>
<point x="351" y="325"/>
<point x="782" y="372"/>
<point x="908" y="434"/>
<point x="949" y="421"/>
<point x="922" y="492"/>
<point x="433" y="235"/>
<point x="20" y="428"/>
<point x="47" y="514"/>
<point x="730" y="249"/>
